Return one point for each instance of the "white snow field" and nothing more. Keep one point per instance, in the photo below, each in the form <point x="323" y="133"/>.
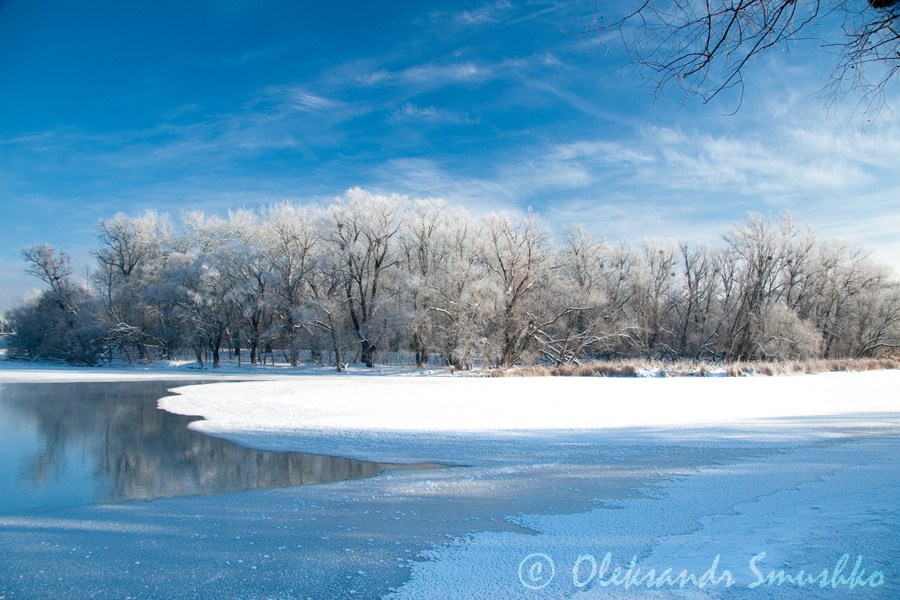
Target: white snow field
<point x="554" y="484"/>
<point x="395" y="419"/>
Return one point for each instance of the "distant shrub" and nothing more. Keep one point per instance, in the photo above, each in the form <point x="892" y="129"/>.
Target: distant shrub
<point x="636" y="368"/>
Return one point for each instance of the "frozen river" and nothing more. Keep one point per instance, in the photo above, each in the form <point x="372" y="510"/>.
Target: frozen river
<point x="523" y="512"/>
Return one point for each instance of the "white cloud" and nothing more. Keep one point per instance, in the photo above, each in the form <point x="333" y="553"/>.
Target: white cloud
<point x="310" y="102"/>
<point x="775" y="162"/>
<point x="297" y="98"/>
<point x="600" y="152"/>
<point x="430" y="113"/>
<point x="426" y="76"/>
<point x="488" y="13"/>
<point x="411" y="110"/>
<point x="474" y="17"/>
<point x="438" y="74"/>
<point x="375" y="77"/>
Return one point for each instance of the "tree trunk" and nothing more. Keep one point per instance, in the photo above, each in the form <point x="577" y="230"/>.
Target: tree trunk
<point x="215" y="346"/>
<point x="421" y="351"/>
<point x="367" y="353"/>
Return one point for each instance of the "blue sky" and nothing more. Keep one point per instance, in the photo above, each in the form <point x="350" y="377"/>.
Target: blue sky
<point x="110" y="106"/>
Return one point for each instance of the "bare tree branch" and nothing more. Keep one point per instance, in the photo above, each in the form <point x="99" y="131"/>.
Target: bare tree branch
<point x="705" y="48"/>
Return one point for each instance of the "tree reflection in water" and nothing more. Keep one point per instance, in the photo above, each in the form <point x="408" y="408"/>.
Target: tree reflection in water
<point x="112" y="442"/>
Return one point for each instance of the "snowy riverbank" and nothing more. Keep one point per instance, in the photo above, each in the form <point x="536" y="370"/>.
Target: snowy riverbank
<point x="447" y="419"/>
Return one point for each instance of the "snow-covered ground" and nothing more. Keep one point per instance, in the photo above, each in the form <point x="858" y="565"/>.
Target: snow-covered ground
<point x="558" y="482"/>
<point x="24" y="372"/>
<point x="392" y="419"/>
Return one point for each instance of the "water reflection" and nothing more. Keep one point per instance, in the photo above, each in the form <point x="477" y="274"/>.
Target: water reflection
<point x="79" y="443"/>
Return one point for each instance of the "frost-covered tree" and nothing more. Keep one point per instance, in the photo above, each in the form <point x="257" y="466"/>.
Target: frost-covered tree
<point x="653" y="284"/>
<point x="696" y="303"/>
<point x="54" y="268"/>
<point x="517" y="257"/>
<point x="290" y="244"/>
<point x="424" y="247"/>
<point x="373" y="273"/>
<point x="459" y="318"/>
<point x="590" y="283"/>
<point x="201" y="284"/>
<point x="323" y="311"/>
<point x="361" y="233"/>
<point x="758" y="251"/>
<point x="877" y="329"/>
<point x="783" y="335"/>
<point x="249" y="272"/>
<point x="58" y="323"/>
<point x="845" y="289"/>
<point x="128" y="261"/>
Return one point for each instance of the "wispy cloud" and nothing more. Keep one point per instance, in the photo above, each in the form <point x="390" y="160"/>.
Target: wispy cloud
<point x="778" y="161"/>
<point x="463" y="71"/>
<point x="772" y="162"/>
<point x="429" y="74"/>
<point x="297" y="97"/>
<point x="502" y="13"/>
<point x="489" y="13"/>
<point x="310" y="102"/>
<point x="432" y="114"/>
<point x="600" y="152"/>
<point x="453" y="70"/>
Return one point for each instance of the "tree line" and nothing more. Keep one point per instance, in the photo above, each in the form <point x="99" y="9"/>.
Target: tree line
<point x="371" y="274"/>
